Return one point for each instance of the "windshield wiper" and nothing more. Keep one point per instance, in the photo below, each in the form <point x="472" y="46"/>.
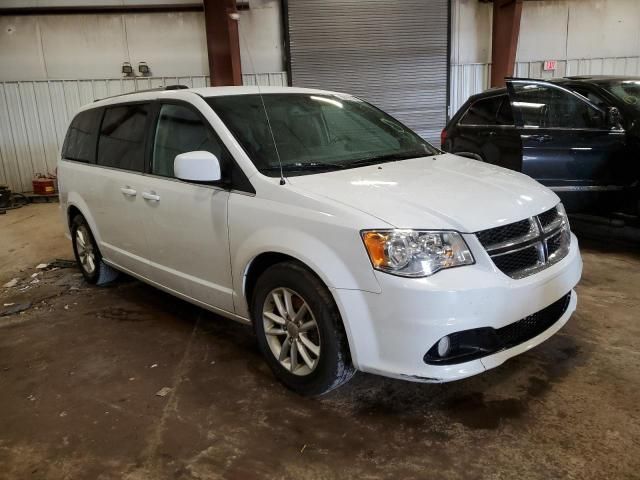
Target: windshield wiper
<point x="297" y="167"/>
<point x="391" y="157"/>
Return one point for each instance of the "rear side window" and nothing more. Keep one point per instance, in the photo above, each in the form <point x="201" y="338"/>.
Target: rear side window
<point x="80" y="142"/>
<point x="122" y="137"/>
<point x="482" y="112"/>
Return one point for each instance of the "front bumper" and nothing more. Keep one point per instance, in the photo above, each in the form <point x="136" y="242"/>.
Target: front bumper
<point x="390" y="332"/>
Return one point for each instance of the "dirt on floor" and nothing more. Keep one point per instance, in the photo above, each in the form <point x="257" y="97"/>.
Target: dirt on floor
<point x="81" y="368"/>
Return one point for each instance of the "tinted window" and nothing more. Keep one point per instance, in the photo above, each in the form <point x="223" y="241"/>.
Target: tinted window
<point x="505" y="114"/>
<point x="80" y="142"/>
<point x="315" y="132"/>
<point x="550" y="107"/>
<point x="483" y="112"/>
<point x="594" y="98"/>
<point x="179" y="130"/>
<point x="122" y="137"/>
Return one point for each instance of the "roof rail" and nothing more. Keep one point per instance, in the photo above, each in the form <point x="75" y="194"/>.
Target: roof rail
<point x="157" y="89"/>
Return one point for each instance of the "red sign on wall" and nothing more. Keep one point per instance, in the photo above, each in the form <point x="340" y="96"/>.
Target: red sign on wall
<point x="550" y="65"/>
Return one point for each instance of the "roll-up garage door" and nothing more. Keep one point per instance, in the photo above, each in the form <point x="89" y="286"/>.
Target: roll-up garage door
<point x="392" y="53"/>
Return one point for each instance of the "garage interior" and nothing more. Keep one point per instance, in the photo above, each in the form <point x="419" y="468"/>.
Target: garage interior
<point x="125" y="381"/>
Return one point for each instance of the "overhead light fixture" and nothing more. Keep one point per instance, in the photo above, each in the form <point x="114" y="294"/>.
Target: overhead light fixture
<point x="127" y="69"/>
<point x="143" y="68"/>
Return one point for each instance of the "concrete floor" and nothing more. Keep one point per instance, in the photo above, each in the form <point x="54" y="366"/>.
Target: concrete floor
<point x="80" y="368"/>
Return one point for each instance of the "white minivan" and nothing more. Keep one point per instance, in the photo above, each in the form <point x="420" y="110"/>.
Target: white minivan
<point x="345" y="239"/>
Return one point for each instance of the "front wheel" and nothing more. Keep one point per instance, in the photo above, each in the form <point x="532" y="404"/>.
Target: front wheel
<point x="299" y="330"/>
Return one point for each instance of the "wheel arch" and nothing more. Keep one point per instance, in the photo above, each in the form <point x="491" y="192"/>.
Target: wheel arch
<point x="76" y="205"/>
<point x="263" y="261"/>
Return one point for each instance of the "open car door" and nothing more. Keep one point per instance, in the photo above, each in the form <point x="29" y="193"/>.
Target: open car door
<point x="568" y="143"/>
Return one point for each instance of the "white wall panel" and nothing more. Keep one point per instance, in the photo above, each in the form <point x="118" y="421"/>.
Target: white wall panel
<point x="34" y="116"/>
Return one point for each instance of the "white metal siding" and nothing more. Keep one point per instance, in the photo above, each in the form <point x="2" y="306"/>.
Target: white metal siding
<point x="34" y="116"/>
<point x="393" y="54"/>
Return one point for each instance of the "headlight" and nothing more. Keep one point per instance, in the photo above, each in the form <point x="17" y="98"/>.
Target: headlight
<point x="415" y="253"/>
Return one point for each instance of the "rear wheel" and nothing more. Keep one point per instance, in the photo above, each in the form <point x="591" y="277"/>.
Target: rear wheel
<point x="88" y="254"/>
<point x="299" y="330"/>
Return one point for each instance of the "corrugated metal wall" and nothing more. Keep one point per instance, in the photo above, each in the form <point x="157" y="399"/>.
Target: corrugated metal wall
<point x="34" y="116"/>
<point x="392" y="53"/>
<point x="469" y="79"/>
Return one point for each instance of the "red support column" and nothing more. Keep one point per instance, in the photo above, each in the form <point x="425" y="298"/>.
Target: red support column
<point x="223" y="45"/>
<point x="506" y="28"/>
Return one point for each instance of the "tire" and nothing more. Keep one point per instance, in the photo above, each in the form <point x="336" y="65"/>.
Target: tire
<point x="88" y="255"/>
<point x="322" y="360"/>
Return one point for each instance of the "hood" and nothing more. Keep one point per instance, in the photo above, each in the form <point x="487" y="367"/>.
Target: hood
<point x="440" y="192"/>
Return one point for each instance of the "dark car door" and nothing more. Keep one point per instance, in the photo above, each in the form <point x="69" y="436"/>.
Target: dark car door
<point x="486" y="131"/>
<point x="567" y="142"/>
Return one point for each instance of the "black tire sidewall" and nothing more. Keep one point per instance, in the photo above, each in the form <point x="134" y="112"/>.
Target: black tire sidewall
<point x="334" y="356"/>
<point x="77" y="222"/>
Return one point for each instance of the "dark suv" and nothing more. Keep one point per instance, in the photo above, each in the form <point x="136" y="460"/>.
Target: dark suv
<point x="580" y="136"/>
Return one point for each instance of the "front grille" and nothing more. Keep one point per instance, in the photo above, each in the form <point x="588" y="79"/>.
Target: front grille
<point x="498" y="235"/>
<point x="528" y="246"/>
<point x="513" y="262"/>
<point x="533" y="325"/>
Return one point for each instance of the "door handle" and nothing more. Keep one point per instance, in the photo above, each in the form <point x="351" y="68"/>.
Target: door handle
<point x="128" y="191"/>
<point x="151" y="196"/>
<point x="541" y="138"/>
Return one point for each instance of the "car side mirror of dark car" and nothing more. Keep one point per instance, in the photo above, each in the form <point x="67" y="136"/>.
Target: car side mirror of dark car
<point x="614" y="119"/>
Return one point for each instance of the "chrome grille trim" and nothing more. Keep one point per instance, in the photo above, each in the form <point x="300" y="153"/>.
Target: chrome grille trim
<point x="549" y="234"/>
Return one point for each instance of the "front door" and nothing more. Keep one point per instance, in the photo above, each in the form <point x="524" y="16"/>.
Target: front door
<point x="567" y="142"/>
<point x="186" y="223"/>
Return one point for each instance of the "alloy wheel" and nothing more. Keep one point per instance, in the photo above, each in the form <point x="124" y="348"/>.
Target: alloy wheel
<point x="84" y="247"/>
<point x="291" y="331"/>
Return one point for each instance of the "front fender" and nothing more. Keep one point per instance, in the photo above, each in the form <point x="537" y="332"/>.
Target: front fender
<point x="344" y="269"/>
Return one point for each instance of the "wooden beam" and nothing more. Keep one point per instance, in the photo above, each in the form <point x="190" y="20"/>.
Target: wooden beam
<point x="506" y="29"/>
<point x="223" y="45"/>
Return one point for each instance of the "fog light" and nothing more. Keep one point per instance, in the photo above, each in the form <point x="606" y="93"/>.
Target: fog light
<point x="443" y="346"/>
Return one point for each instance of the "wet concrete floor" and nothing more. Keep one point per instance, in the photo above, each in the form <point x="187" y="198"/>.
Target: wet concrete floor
<point x="80" y="368"/>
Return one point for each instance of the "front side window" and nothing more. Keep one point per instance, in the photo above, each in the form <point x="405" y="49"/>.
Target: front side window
<point x="80" y="142"/>
<point x="122" y="137"/>
<point x="180" y="129"/>
<point x="315" y="132"/>
<point x="547" y="106"/>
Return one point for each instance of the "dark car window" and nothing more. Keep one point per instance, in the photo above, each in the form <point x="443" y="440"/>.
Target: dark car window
<point x="483" y="112"/>
<point x="546" y="106"/>
<point x="80" y="142"/>
<point x="505" y="114"/>
<point x="594" y="98"/>
<point x="122" y="136"/>
<point x="180" y="130"/>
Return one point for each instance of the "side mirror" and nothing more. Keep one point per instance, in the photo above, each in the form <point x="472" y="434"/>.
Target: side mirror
<point x="614" y="119"/>
<point x="197" y="166"/>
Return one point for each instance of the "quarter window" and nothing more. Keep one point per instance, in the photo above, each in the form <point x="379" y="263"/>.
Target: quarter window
<point x="80" y="142"/>
<point x="122" y="137"/>
<point x="545" y="106"/>
<point x="483" y="112"/>
<point x="179" y="130"/>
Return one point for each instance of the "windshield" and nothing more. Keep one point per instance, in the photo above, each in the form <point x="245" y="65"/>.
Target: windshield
<point x="315" y="132"/>
<point x="626" y="90"/>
